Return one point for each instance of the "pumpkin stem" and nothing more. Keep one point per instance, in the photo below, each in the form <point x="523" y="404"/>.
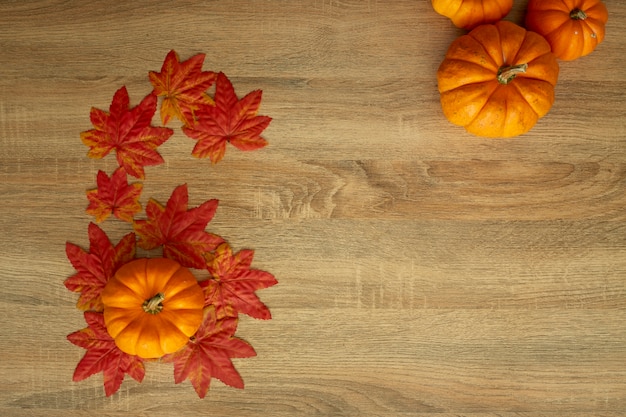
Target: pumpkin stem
<point x="507" y="74"/>
<point x="154" y="305"/>
<point x="578" y="14"/>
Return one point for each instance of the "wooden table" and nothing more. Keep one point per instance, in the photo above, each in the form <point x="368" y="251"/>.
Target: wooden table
<point x="422" y="271"/>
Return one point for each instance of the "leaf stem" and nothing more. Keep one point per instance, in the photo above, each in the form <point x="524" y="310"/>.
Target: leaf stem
<point x="506" y="74"/>
<point x="577" y="14"/>
<point x="154" y="305"/>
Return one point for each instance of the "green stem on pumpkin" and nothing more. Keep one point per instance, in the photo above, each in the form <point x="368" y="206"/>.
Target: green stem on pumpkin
<point x="577" y="14"/>
<point x="153" y="305"/>
<point x="508" y="73"/>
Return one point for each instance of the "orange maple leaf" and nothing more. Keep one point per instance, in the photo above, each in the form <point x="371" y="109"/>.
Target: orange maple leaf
<point x="103" y="355"/>
<point x="232" y="284"/>
<point x="184" y="85"/>
<point x="96" y="267"/>
<point x="179" y="230"/>
<point x="114" y="195"/>
<point x="230" y="120"/>
<point x="208" y="354"/>
<point x="128" y="132"/>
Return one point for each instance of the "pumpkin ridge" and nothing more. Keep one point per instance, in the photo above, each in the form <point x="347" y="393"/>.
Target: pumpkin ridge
<point x="471" y="46"/>
<point x="547" y="7"/>
<point x="128" y="270"/>
<point x="524" y="76"/>
<point x="464" y="116"/>
<point x="485" y="103"/>
<point x="489" y="97"/>
<point x="512" y="40"/>
<point x="498" y="58"/>
<point x="119" y="322"/>
<point x="181" y="298"/>
<point x="174" y="289"/>
<point x="532" y="48"/>
<point x="177" y="327"/>
<point x="131" y="289"/>
<point x="538" y="96"/>
<point x="595" y="27"/>
<point x="458" y="80"/>
<point x="128" y="337"/>
<point x="592" y="21"/>
<point x="518" y="88"/>
<point x="175" y="321"/>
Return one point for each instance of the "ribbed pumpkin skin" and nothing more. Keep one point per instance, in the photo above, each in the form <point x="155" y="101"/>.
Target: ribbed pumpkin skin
<point x="573" y="28"/>
<point x="472" y="96"/>
<point x="147" y="335"/>
<point x="468" y="14"/>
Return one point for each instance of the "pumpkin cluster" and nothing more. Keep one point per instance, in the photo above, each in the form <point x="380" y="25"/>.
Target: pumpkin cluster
<point x="180" y="301"/>
<point x="498" y="79"/>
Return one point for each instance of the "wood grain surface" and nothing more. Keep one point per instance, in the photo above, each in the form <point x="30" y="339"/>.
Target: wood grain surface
<point x="422" y="271"/>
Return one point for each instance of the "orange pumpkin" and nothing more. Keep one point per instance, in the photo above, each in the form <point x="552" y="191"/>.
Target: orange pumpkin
<point x="497" y="80"/>
<point x="152" y="307"/>
<point x="468" y="14"/>
<point x="573" y="28"/>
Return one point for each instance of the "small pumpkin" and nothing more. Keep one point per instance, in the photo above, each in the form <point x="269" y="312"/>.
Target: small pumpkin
<point x="152" y="307"/>
<point x="573" y="28"/>
<point x="497" y="80"/>
<point x="468" y="14"/>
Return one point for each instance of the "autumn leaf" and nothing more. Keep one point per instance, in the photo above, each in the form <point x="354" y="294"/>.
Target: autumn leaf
<point x="114" y="195"/>
<point x="128" y="132"/>
<point x="232" y="284"/>
<point x="208" y="354"/>
<point x="230" y="120"/>
<point x="183" y="86"/>
<point x="103" y="355"/>
<point x="94" y="268"/>
<point x="179" y="230"/>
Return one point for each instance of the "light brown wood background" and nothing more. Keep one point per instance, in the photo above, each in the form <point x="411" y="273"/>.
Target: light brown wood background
<point x="423" y="272"/>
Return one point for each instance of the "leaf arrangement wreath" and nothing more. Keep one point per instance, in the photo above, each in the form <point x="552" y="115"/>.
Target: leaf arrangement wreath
<point x="140" y="309"/>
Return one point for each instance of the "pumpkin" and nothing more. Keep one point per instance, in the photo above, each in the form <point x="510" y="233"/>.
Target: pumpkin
<point x="497" y="80"/>
<point x="573" y="28"/>
<point x="468" y="14"/>
<point x="152" y="307"/>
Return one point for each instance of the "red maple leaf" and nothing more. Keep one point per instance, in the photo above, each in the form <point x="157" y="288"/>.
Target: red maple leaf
<point x="184" y="85"/>
<point x="229" y="120"/>
<point x="208" y="354"/>
<point x="114" y="195"/>
<point x="179" y="230"/>
<point x="128" y="132"/>
<point x="103" y="355"/>
<point x="94" y="268"/>
<point x="232" y="284"/>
